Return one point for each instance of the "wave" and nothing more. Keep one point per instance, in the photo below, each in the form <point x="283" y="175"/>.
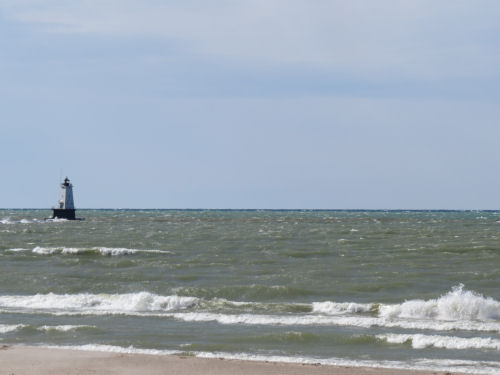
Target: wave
<point x="444" y="365"/>
<point x="8" y="221"/>
<point x="250" y="292"/>
<point x="419" y="341"/>
<point x="6" y="328"/>
<point x="456" y="305"/>
<point x="108" y="251"/>
<point x="463" y="310"/>
<point x="65" y="328"/>
<point x="266" y="320"/>
<point x="222" y="304"/>
<point x="98" y="303"/>
<point x="114" y="349"/>
<point x="335" y="308"/>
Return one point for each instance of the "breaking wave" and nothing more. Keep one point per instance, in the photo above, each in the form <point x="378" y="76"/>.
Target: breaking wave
<point x="98" y="303"/>
<point x="363" y="322"/>
<point x="8" y="221"/>
<point x="64" y="328"/>
<point x="115" y="349"/>
<point x="6" y="328"/>
<point x="108" y="251"/>
<point x="335" y="308"/>
<point x="457" y="310"/>
<point x="419" y="341"/>
<point x="456" y="305"/>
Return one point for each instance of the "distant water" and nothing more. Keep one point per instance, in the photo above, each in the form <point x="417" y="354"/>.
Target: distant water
<point x="365" y="288"/>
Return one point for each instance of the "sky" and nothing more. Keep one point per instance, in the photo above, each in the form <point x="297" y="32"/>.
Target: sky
<point x="312" y="104"/>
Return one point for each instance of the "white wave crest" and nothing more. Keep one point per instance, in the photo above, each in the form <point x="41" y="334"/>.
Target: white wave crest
<point x="7" y="220"/>
<point x="419" y="341"/>
<point x="6" y="328"/>
<point x="335" y="308"/>
<point x="144" y="308"/>
<point x="123" y="251"/>
<point x="354" y="321"/>
<point x="115" y="349"/>
<point x="52" y="250"/>
<point x="63" y="328"/>
<point x="457" y="305"/>
<point x="56" y="220"/>
<point x="108" y="251"/>
<point x="98" y="303"/>
<point x="416" y="314"/>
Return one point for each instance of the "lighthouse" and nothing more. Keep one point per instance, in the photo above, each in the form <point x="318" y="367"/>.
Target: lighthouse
<point x="65" y="207"/>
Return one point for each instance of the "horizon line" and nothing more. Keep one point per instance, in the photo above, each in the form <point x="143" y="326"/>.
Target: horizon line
<point x="268" y="209"/>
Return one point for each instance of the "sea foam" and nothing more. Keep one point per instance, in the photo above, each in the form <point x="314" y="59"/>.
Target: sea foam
<point x="318" y="320"/>
<point x="115" y="349"/>
<point x="335" y="308"/>
<point x="98" y="303"/>
<point x="456" y="310"/>
<point x="419" y="341"/>
<point x="8" y="220"/>
<point x="64" y="328"/>
<point x="463" y="366"/>
<point x="108" y="251"/>
<point x="6" y="328"/>
<point x="457" y="305"/>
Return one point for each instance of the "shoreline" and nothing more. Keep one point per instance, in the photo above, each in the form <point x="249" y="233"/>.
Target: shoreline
<point x="20" y="360"/>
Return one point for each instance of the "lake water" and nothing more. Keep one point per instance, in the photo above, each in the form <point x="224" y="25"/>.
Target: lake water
<point x="402" y="289"/>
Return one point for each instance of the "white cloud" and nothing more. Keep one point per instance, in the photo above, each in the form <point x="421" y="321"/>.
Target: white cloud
<point x="416" y="39"/>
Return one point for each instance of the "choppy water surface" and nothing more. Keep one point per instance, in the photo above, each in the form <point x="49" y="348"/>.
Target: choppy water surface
<point x="393" y="289"/>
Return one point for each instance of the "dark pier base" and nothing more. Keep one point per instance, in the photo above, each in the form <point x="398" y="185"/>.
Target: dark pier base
<point x="63" y="214"/>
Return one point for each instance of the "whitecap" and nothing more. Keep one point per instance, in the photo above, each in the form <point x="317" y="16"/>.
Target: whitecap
<point x="354" y="321"/>
<point x="419" y="341"/>
<point x="124" y="251"/>
<point x="98" y="303"/>
<point x="107" y="251"/>
<point x="56" y="220"/>
<point x="7" y="220"/>
<point x="44" y="250"/>
<point x="115" y="349"/>
<point x="6" y="328"/>
<point x="457" y="305"/>
<point x="63" y="328"/>
<point x="336" y="308"/>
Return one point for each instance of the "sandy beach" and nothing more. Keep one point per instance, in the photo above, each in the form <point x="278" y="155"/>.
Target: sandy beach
<point x="20" y="360"/>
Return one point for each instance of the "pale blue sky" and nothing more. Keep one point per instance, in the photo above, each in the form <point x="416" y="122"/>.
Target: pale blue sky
<point x="251" y="103"/>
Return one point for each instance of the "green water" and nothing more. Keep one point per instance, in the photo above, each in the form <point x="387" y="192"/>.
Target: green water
<point x="417" y="289"/>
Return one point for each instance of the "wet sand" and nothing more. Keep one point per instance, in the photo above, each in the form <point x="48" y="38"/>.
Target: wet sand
<point x="20" y="360"/>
